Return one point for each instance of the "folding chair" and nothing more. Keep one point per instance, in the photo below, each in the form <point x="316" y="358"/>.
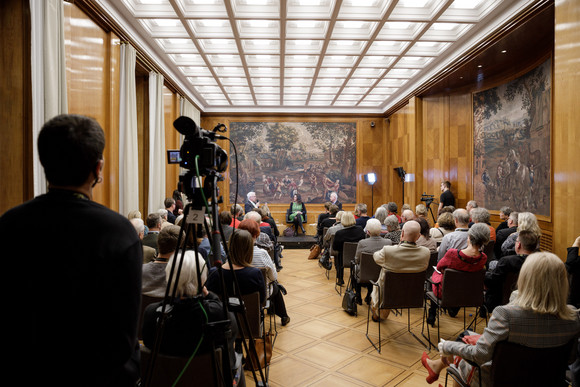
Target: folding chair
<point x="460" y="289"/>
<point x="348" y="253"/>
<point x="489" y="252"/>
<point x="400" y="291"/>
<point x="516" y="365"/>
<point x="145" y="302"/>
<point x="369" y="270"/>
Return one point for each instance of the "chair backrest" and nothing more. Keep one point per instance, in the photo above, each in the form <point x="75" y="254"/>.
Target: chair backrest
<point x="432" y="262"/>
<point x="201" y="371"/>
<point x="324" y="230"/>
<point x="462" y="288"/>
<point x="145" y="302"/>
<point x="489" y="250"/>
<point x="369" y="270"/>
<point x="517" y="365"/>
<point x="403" y="290"/>
<point x="333" y="252"/>
<point x="509" y="285"/>
<point x="348" y="252"/>
<point x="253" y="313"/>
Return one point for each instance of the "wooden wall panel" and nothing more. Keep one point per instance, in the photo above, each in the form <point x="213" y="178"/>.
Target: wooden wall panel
<point x="566" y="130"/>
<point x="142" y="89"/>
<point x="16" y="105"/>
<point x="92" y="64"/>
<point x="171" y="109"/>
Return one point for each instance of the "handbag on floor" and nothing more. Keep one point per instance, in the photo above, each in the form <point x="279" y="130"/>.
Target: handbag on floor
<point x="263" y="353"/>
<point x="324" y="260"/>
<point x="288" y="232"/>
<point x="349" y="300"/>
<point x="314" y="251"/>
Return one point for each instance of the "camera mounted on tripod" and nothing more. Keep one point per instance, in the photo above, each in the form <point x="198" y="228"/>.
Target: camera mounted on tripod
<point x="428" y="199"/>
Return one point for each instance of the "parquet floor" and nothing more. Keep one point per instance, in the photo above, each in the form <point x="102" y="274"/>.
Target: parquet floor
<point x="324" y="346"/>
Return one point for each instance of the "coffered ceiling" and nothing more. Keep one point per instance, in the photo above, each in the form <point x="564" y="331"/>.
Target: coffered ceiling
<point x="305" y="56"/>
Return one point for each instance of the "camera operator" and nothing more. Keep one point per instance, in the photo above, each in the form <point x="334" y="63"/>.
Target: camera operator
<point x="446" y="198"/>
<point x="77" y="287"/>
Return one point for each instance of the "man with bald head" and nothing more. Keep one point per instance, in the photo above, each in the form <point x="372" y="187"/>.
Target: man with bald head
<point x="458" y="238"/>
<point x="406" y="257"/>
<point x="407" y="215"/>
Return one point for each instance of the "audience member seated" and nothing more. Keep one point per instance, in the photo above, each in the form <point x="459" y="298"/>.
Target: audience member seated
<point x="526" y="243"/>
<point x="225" y="219"/>
<point x="407" y="215"/>
<point x="393" y="229"/>
<point x="154" y="225"/>
<point x="333" y="229"/>
<point x="380" y="215"/>
<point x="501" y="236"/>
<point x="573" y="267"/>
<point x="263" y="241"/>
<point x="237" y="215"/>
<point x="267" y="218"/>
<point x="481" y="215"/>
<point x="137" y="214"/>
<point x="205" y="247"/>
<point x="334" y="200"/>
<point x="163" y="215"/>
<point x="445" y="225"/>
<point x="373" y="243"/>
<point x="297" y="214"/>
<point x="330" y="220"/>
<point x="154" y="281"/>
<point x="362" y="219"/>
<point x="470" y="206"/>
<point x="504" y="214"/>
<point x="392" y="210"/>
<point x="178" y="197"/>
<point x="538" y="317"/>
<point x="458" y="238"/>
<point x="425" y="238"/>
<point x="526" y="221"/>
<point x="350" y="233"/>
<point x="251" y="202"/>
<point x="261" y="259"/>
<point x="321" y="217"/>
<point x="149" y="253"/>
<point x="470" y="259"/>
<point x="170" y="207"/>
<point x="406" y="257"/>
<point x="421" y="211"/>
<point x="192" y="307"/>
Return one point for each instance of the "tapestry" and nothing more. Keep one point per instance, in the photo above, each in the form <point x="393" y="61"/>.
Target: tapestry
<point x="511" y="138"/>
<point x="279" y="159"/>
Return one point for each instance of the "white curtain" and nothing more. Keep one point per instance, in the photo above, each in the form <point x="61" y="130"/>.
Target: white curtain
<point x="187" y="109"/>
<point x="157" y="154"/>
<point x="48" y="73"/>
<point x="128" y="149"/>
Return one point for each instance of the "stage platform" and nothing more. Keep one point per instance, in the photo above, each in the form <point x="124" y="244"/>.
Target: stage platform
<point x="297" y="242"/>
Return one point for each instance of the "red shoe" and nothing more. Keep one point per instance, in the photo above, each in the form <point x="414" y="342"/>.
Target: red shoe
<point x="432" y="375"/>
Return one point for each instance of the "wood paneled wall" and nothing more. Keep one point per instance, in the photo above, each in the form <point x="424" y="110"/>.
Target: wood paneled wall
<point x="370" y="158"/>
<point x="172" y="141"/>
<point x="566" y="127"/>
<point x="15" y="105"/>
<point x="92" y="73"/>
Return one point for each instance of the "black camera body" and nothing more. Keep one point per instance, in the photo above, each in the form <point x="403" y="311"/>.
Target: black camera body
<point x="428" y="199"/>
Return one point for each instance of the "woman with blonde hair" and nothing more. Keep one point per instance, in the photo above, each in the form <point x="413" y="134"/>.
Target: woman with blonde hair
<point x="526" y="221"/>
<point x="350" y="233"/>
<point x="537" y="317"/>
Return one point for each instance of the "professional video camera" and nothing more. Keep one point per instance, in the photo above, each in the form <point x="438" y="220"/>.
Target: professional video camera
<point x="428" y="199"/>
<point x="199" y="154"/>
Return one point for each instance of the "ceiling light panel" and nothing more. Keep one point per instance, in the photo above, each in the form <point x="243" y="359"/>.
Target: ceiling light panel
<point x="306" y="29"/>
<point x="428" y="48"/>
<point x="333" y="72"/>
<point x="301" y="60"/>
<point x="400" y="30"/>
<point x="288" y="82"/>
<point x="258" y="28"/>
<point x="224" y="60"/>
<point x="235" y="81"/>
<point x="187" y="59"/>
<point x="304" y="46"/>
<point x="315" y="9"/>
<point x="353" y="29"/>
<point x="176" y="46"/>
<point x="339" y="60"/>
<point x="383" y="47"/>
<point x="265" y="81"/>
<point x="263" y="60"/>
<point x="218" y="46"/>
<point x="261" y="46"/>
<point x="200" y="71"/>
<point x="469" y="10"/>
<point x="196" y="81"/>
<point x="380" y="61"/>
<point x="416" y="9"/>
<point x="299" y="72"/>
<point x="197" y="9"/>
<point x="264" y="72"/>
<point x="256" y="8"/>
<point x="211" y="28"/>
<point x="414" y="62"/>
<point x="345" y="47"/>
<point x="230" y="71"/>
<point x="449" y="32"/>
<point x="164" y="28"/>
<point x="363" y="9"/>
<point x="145" y="9"/>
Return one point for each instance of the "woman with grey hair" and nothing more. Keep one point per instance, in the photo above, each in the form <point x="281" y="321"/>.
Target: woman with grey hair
<point x="470" y="259"/>
<point x="526" y="221"/>
<point x="381" y="214"/>
<point x="481" y="215"/>
<point x="393" y="229"/>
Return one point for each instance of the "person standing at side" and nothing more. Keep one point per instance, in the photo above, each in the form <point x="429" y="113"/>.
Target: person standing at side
<point x="76" y="289"/>
<point x="446" y="198"/>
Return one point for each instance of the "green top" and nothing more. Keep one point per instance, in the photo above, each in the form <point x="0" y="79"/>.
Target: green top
<point x="296" y="207"/>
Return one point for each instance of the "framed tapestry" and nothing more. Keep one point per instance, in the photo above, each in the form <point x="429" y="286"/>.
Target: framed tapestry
<point x="278" y="159"/>
<point x="512" y="143"/>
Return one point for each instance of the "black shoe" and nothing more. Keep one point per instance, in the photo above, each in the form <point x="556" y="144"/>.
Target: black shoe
<point x="279" y="267"/>
<point x="431" y="320"/>
<point x="452" y="312"/>
<point x="285" y="320"/>
<point x="358" y="299"/>
<point x="295" y="233"/>
<point x="368" y="299"/>
<point x="303" y="231"/>
<point x="282" y="288"/>
<point x="339" y="281"/>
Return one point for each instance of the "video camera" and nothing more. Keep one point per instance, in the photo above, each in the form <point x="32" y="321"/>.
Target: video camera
<point x="199" y="153"/>
<point x="428" y="199"/>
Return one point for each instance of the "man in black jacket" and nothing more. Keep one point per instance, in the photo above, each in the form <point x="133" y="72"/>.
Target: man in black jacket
<point x="76" y="289"/>
<point x="502" y="235"/>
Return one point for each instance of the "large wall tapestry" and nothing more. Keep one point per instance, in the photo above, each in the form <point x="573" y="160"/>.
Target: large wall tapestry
<point x="278" y="159"/>
<point x="512" y="143"/>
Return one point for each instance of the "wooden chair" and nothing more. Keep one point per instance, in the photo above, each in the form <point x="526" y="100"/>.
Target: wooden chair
<point x="400" y="291"/>
<point x="515" y="365"/>
<point x="510" y="284"/>
<point x="489" y="252"/>
<point x="460" y="289"/>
